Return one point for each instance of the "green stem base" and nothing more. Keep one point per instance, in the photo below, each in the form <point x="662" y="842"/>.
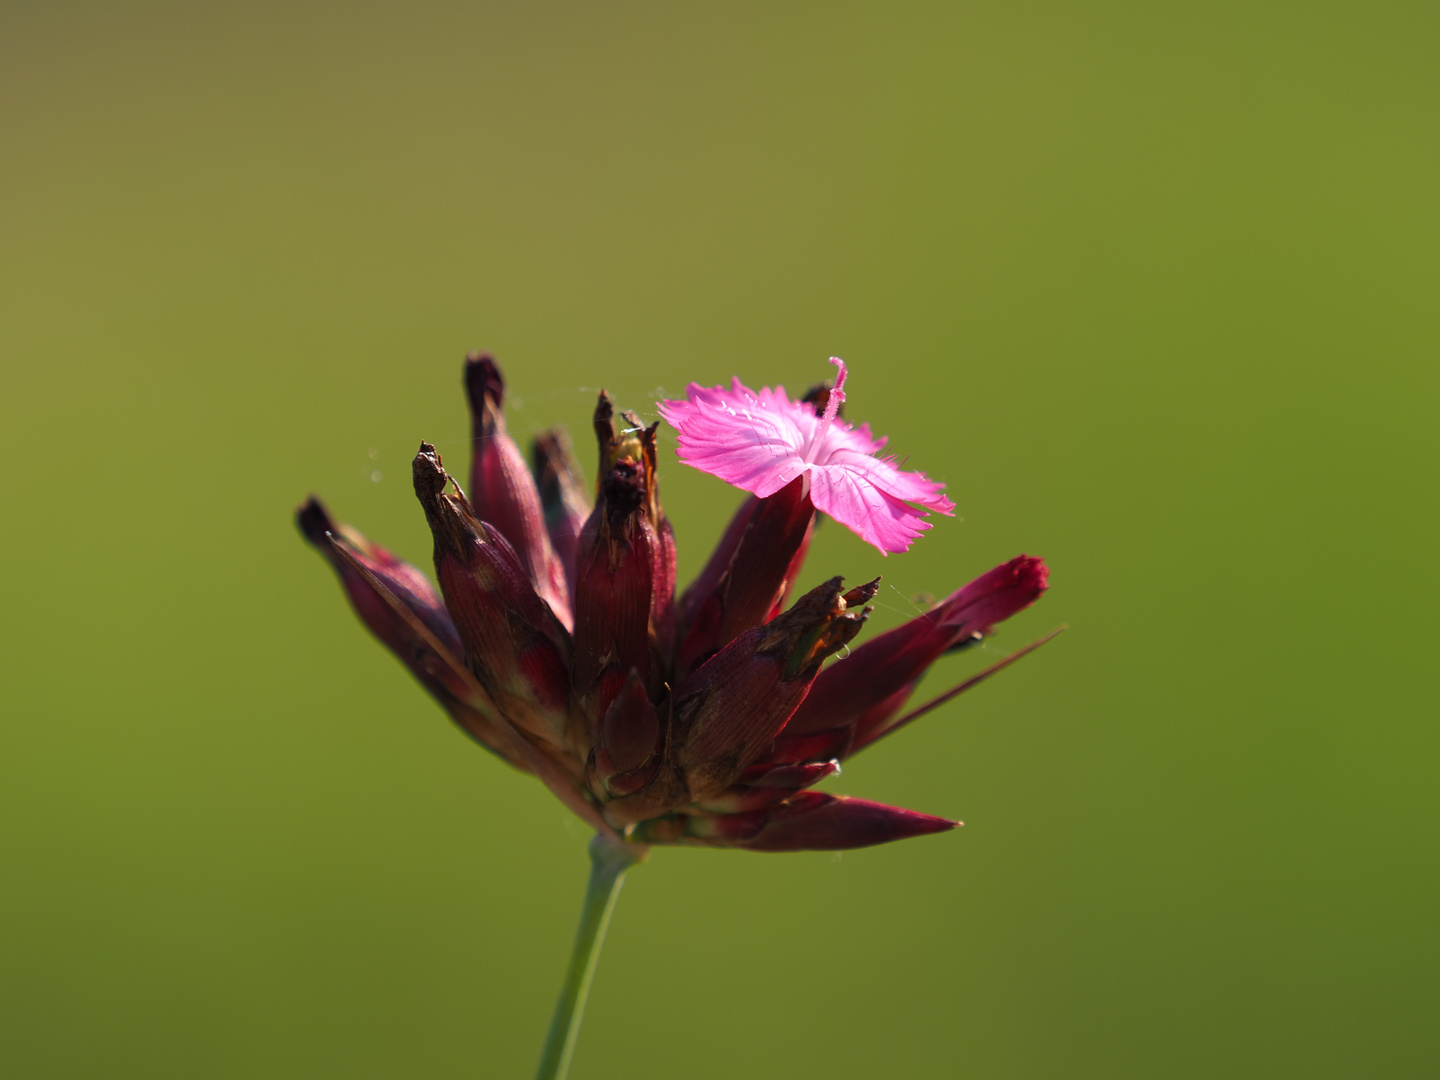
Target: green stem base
<point x="608" y="863"/>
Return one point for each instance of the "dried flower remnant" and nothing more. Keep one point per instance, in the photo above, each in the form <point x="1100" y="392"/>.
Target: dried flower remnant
<point x="557" y="641"/>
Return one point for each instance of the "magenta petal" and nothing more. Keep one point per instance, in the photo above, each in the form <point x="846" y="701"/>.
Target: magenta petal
<point x="866" y="510"/>
<point x="745" y="439"/>
<point x="884" y="474"/>
<point x="762" y="441"/>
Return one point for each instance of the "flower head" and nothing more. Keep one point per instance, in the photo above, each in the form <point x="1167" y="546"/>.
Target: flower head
<point x="557" y="641"/>
<point x="760" y="442"/>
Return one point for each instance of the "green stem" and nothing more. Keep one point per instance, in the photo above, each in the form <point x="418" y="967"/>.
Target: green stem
<point x="608" y="863"/>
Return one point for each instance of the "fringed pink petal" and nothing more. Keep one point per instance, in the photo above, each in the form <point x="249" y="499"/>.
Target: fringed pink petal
<point x="875" y="516"/>
<point x="762" y="441"/>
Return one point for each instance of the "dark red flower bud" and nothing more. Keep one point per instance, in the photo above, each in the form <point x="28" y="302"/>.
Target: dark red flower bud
<point x="626" y="561"/>
<point x="767" y="559"/>
<point x="400" y="607"/>
<point x="662" y="607"/>
<point x="612" y="601"/>
<point x="562" y="496"/>
<point x="835" y="742"/>
<point x="766" y="563"/>
<point x="615" y="562"/>
<point x="771" y="784"/>
<point x="514" y="644"/>
<point x="707" y="591"/>
<point x="727" y="713"/>
<point x="789" y="776"/>
<point x="869" y="687"/>
<point x="627" y="746"/>
<point x="502" y="491"/>
<point x="739" y="799"/>
<point x="809" y="821"/>
<point x="993" y="597"/>
<point x="792" y="572"/>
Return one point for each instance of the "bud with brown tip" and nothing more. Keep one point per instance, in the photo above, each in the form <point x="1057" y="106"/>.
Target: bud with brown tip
<point x="400" y="607"/>
<point x="628" y="743"/>
<point x="502" y="491"/>
<point x="514" y="644"/>
<point x="868" y="688"/>
<point x="562" y="496"/>
<point x="624" y="582"/>
<point x="727" y="713"/>
<point x="767" y="558"/>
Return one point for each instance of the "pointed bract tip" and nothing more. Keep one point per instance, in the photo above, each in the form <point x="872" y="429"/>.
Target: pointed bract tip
<point x="604" y="407"/>
<point x="816" y="821"/>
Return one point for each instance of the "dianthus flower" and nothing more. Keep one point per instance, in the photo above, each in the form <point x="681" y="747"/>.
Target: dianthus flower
<point x="556" y="639"/>
<point x="762" y="442"/>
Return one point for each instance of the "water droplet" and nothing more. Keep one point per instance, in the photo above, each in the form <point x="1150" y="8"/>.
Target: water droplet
<point x="376" y="476"/>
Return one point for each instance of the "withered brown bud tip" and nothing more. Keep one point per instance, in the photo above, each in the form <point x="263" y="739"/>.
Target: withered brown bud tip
<point x="429" y="472"/>
<point x="862" y="594"/>
<point x="451" y="519"/>
<point x="820" y="622"/>
<point x="553" y="462"/>
<point x="549" y="449"/>
<point x="483" y="379"/>
<point x="819" y="603"/>
<point x="604" y="414"/>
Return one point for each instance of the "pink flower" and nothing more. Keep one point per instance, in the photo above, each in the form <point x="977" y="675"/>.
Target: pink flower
<point x="761" y="442"/>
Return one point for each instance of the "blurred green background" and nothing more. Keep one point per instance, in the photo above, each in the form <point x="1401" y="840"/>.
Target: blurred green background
<point x="1152" y="288"/>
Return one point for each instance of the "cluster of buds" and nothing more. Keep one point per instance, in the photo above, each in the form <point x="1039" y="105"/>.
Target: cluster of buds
<point x="557" y="641"/>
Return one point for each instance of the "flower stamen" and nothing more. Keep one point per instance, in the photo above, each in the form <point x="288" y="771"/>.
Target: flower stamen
<point x="836" y="398"/>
